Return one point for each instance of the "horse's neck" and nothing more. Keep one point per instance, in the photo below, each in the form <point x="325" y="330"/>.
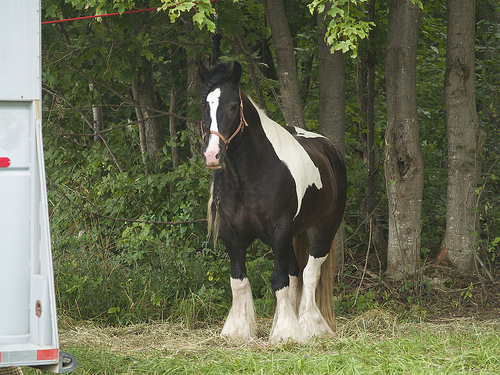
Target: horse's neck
<point x="247" y="155"/>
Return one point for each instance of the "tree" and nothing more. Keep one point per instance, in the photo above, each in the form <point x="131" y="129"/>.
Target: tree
<point x="403" y="155"/>
<point x="144" y="94"/>
<point x="287" y="67"/>
<point x="331" y="118"/>
<point x="366" y="92"/>
<point x="464" y="133"/>
<point x="331" y="76"/>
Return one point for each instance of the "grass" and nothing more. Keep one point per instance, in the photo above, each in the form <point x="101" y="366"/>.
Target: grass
<point x="373" y="343"/>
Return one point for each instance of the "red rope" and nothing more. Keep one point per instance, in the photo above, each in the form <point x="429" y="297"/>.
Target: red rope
<point x="103" y="15"/>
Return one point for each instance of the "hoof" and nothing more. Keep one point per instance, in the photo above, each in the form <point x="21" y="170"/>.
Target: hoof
<point x="285" y="325"/>
<point x="238" y="336"/>
<point x="313" y="324"/>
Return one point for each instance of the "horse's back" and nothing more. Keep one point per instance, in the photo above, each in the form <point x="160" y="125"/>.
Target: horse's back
<point x="325" y="155"/>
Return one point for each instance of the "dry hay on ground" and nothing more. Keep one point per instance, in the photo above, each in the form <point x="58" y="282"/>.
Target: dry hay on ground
<point x="171" y="339"/>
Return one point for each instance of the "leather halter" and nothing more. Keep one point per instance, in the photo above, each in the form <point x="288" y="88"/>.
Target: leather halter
<point x="239" y="129"/>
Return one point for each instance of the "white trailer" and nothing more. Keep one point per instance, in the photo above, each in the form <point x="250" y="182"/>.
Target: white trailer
<point x="28" y="320"/>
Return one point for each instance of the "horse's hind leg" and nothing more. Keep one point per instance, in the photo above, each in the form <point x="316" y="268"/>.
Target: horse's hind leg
<point x="285" y="324"/>
<point x="311" y="320"/>
<point x="294" y="291"/>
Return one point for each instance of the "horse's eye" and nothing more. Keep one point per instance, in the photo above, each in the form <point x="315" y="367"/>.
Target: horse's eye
<point x="234" y="107"/>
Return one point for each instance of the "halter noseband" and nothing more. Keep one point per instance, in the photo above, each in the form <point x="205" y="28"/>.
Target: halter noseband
<point x="239" y="129"/>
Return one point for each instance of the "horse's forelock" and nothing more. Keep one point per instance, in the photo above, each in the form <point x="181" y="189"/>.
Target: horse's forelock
<point x="219" y="74"/>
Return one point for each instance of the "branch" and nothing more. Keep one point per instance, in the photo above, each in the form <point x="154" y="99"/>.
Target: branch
<point x="91" y="127"/>
<point x="106" y="86"/>
<point x="78" y="110"/>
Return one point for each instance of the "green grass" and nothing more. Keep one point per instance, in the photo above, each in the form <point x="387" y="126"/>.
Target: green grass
<point x="374" y="343"/>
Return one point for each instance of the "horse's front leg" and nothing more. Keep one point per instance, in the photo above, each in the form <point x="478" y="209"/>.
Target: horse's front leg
<point x="285" y="324"/>
<point x="240" y="324"/>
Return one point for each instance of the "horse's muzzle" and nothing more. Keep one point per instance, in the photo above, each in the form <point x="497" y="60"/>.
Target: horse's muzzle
<point x="212" y="161"/>
<point x="213" y="153"/>
<point x="213" y="166"/>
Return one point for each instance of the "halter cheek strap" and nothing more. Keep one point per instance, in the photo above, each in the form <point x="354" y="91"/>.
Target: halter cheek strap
<point x="239" y="129"/>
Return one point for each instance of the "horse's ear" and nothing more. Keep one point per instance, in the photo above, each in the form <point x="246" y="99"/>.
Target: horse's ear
<point x="202" y="71"/>
<point x="236" y="72"/>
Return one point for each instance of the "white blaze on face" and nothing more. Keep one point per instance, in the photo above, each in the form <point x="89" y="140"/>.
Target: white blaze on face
<point x="212" y="149"/>
<point x="293" y="155"/>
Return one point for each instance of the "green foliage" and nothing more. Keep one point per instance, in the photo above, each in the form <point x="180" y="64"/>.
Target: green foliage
<point x="359" y="301"/>
<point x="140" y="270"/>
<point x="201" y="17"/>
<point x="345" y="26"/>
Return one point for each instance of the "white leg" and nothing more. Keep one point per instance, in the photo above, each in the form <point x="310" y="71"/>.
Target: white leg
<point x="310" y="318"/>
<point x="285" y="324"/>
<point x="294" y="293"/>
<point x="240" y="324"/>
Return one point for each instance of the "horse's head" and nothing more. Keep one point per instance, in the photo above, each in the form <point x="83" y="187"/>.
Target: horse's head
<point x="222" y="111"/>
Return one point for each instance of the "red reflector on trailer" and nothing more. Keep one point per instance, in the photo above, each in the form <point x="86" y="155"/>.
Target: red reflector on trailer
<point x="46" y="354"/>
<point x="4" y="162"/>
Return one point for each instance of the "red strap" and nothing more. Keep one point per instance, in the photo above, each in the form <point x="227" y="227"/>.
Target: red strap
<point x="238" y="130"/>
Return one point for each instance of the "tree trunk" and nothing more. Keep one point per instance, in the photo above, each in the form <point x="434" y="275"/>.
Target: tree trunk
<point x="143" y="90"/>
<point x="97" y="115"/>
<point x="365" y="87"/>
<point x="287" y="69"/>
<point x="141" y="125"/>
<point x="403" y="154"/>
<point x="194" y="88"/>
<point x="268" y="68"/>
<point x="176" y="159"/>
<point x="465" y="137"/>
<point x="331" y="74"/>
<point x="254" y="70"/>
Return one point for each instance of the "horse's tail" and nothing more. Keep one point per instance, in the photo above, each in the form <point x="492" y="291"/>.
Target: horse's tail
<point x="324" y="290"/>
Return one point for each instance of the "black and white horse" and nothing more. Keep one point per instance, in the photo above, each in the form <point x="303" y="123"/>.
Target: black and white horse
<point x="273" y="183"/>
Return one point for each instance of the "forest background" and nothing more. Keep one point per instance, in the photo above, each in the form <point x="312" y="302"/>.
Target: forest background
<point x="127" y="186"/>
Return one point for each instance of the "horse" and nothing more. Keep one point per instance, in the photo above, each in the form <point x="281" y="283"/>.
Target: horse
<point x="281" y="185"/>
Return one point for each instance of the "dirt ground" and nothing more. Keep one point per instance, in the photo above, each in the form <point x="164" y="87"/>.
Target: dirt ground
<point x="437" y="293"/>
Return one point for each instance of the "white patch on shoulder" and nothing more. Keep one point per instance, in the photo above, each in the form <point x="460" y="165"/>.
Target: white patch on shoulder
<point x="307" y="134"/>
<point x="293" y="155"/>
